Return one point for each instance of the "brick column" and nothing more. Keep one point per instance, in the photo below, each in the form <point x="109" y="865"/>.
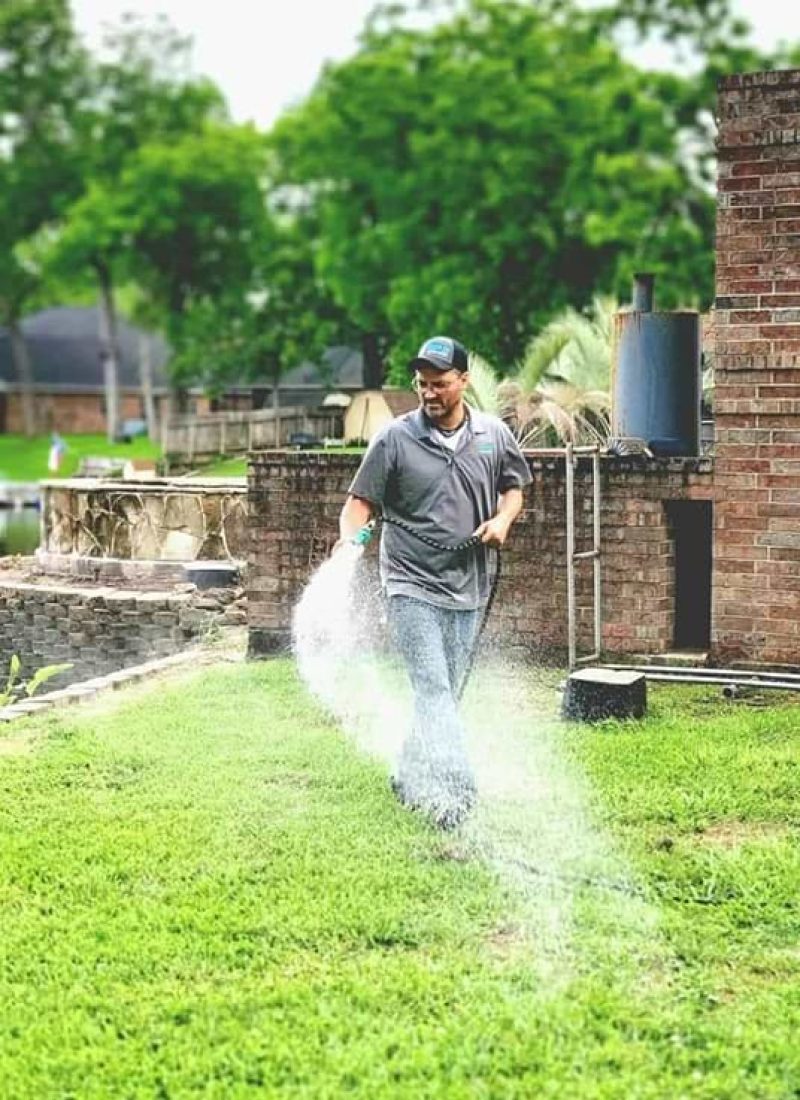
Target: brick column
<point x="757" y="369"/>
<point x="294" y="504"/>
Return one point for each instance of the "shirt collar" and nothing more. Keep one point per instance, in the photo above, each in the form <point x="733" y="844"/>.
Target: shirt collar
<point x="421" y="426"/>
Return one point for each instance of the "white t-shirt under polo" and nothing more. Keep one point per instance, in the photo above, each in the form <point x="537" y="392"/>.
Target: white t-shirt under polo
<point x="449" y="439"/>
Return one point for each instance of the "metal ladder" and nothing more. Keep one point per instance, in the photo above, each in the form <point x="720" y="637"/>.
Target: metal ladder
<point x="570" y="453"/>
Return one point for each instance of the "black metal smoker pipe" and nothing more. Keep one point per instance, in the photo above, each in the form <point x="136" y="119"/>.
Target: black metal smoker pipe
<point x="643" y="291"/>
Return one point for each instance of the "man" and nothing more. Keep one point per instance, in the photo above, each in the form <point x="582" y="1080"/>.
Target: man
<point x="440" y="476"/>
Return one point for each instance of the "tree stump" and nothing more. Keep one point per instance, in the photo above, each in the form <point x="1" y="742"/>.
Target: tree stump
<point x="592" y="694"/>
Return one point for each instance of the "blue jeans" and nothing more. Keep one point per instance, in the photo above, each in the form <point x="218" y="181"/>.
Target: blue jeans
<point x="436" y="644"/>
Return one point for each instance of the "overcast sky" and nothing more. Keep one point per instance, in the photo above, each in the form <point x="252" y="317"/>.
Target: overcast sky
<point x="266" y="54"/>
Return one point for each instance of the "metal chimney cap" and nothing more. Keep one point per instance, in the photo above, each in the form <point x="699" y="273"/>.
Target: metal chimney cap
<point x="643" y="291"/>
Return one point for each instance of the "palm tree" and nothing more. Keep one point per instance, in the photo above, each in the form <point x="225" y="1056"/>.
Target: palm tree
<point x="560" y="392"/>
<point x="484" y="387"/>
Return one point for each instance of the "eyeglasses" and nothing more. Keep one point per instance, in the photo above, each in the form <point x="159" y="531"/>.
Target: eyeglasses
<point x="441" y="386"/>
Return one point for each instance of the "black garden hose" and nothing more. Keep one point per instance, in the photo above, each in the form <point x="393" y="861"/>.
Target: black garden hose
<point x="467" y="544"/>
<point x="485" y="618"/>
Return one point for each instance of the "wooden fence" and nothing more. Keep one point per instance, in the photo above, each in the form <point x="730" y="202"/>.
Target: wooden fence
<point x="231" y="433"/>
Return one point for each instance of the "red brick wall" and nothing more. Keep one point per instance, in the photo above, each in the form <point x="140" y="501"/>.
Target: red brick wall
<point x="637" y="547"/>
<point x="757" y="369"/>
<point x="295" y="501"/>
<point x="71" y="414"/>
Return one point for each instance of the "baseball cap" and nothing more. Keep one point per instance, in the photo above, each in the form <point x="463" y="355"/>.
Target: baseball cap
<point x="443" y="353"/>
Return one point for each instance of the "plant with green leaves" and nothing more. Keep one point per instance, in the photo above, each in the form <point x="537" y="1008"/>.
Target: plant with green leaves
<point x="194" y="209"/>
<point x="142" y="94"/>
<point x="560" y="391"/>
<point x="43" y="76"/>
<point x="463" y="177"/>
<point x="565" y="377"/>
<point x="254" y="330"/>
<point x="16" y="687"/>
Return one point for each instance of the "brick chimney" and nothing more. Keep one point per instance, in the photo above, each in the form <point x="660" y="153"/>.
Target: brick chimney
<point x="756" y="579"/>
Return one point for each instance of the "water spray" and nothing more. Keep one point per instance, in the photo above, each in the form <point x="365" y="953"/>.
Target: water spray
<point x="531" y="823"/>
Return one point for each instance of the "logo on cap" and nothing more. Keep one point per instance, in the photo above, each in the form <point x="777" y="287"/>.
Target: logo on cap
<point x="438" y="346"/>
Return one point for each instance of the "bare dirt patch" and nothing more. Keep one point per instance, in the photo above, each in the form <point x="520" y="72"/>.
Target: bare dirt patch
<point x="18" y="745"/>
<point x="507" y="939"/>
<point x="735" y="834"/>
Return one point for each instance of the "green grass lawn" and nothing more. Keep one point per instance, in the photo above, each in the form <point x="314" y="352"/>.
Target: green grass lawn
<point x="206" y="890"/>
<point x="23" y="459"/>
<point x="225" y="467"/>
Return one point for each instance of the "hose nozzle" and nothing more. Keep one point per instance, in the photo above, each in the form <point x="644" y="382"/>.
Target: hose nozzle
<point x="364" y="534"/>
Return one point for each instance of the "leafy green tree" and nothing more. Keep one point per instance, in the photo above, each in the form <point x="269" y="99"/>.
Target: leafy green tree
<point x="16" y="287"/>
<point x="480" y="175"/>
<point x="144" y="90"/>
<point x="144" y="94"/>
<point x="94" y="237"/>
<point x="195" y="212"/>
<point x="255" y="334"/>
<point x="42" y="80"/>
<point x="692" y="27"/>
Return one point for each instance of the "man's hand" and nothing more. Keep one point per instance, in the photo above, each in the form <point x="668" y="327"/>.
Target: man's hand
<point x="355" y="515"/>
<point x="494" y="531"/>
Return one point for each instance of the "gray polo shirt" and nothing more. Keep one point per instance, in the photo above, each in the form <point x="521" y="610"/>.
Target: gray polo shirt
<point x="443" y="494"/>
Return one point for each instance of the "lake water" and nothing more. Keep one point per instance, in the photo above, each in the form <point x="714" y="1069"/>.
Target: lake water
<point x="19" y="531"/>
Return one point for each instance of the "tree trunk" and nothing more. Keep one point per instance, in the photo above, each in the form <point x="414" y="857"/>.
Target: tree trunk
<point x="22" y="365"/>
<point x="109" y="352"/>
<point x="146" y="379"/>
<point x="373" y="361"/>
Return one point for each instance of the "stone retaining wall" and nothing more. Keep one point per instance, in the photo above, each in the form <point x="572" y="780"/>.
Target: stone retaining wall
<point x="101" y="629"/>
<point x="167" y="520"/>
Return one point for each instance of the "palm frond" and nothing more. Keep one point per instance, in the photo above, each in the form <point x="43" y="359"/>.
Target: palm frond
<point x="574" y="347"/>
<point x="560" y="393"/>
<point x="540" y="355"/>
<point x="482" y="391"/>
<point x="560" y="413"/>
